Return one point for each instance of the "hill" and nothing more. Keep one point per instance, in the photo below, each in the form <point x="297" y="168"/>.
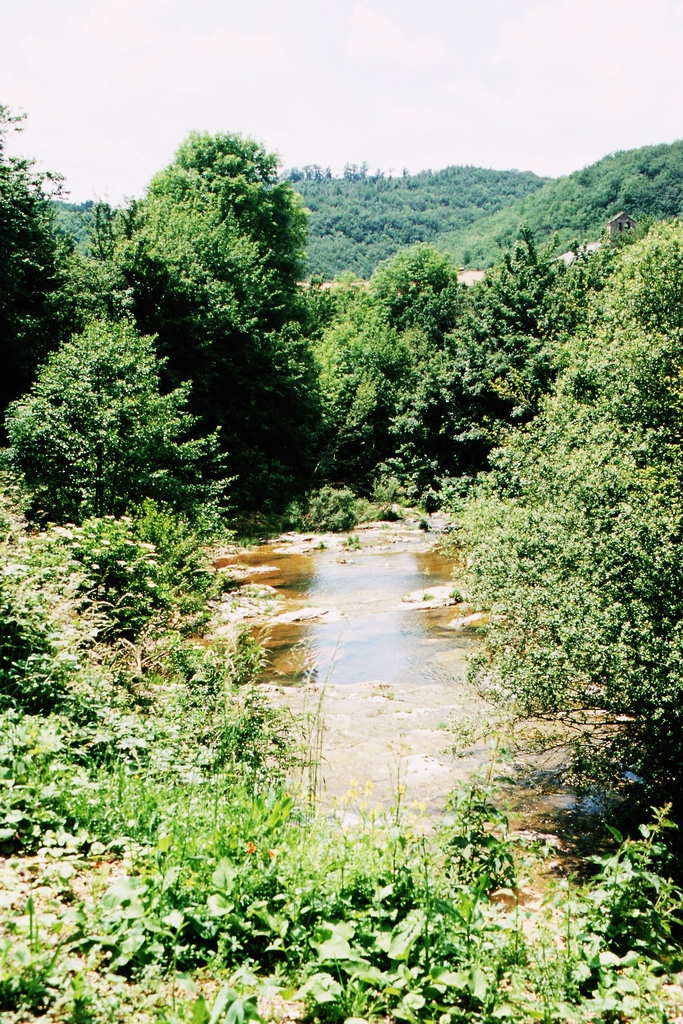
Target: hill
<point x="356" y="221"/>
<point x="73" y="219"/>
<point x="471" y="212"/>
<point x="647" y="181"/>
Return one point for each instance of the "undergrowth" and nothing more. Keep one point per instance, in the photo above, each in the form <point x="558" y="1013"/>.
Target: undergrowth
<point x="161" y="864"/>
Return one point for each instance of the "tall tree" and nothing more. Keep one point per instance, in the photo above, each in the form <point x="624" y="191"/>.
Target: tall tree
<point x="209" y="262"/>
<point x="94" y="434"/>
<point x="31" y="261"/>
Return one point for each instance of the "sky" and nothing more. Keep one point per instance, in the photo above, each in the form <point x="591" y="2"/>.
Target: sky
<point x="111" y="87"/>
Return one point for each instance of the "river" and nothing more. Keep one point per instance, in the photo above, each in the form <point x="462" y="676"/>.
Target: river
<point x="363" y="630"/>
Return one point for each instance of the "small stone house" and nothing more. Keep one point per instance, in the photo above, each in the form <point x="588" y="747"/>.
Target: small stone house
<point x="622" y="222"/>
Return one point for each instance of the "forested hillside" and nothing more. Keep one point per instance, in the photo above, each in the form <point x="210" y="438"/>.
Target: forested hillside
<point x="73" y="220"/>
<point x="647" y="181"/>
<point x="357" y="221"/>
<point x="472" y="213"/>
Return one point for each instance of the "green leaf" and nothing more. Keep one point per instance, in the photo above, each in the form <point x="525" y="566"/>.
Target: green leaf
<point x="124" y="890"/>
<point x="478" y="984"/>
<point x="369" y="975"/>
<point x="332" y="941"/>
<point x="452" y="979"/>
<point x="321" y="988"/>
<point x="615" y="833"/>
<point x="200" y="1013"/>
<point x="174" y="920"/>
<point x="414" y="1000"/>
<point x="225" y="998"/>
<point x="218" y="906"/>
<point x="224" y="875"/>
<point x="404" y="935"/>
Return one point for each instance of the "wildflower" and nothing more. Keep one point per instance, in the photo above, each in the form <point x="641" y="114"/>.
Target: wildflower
<point x="272" y="854"/>
<point x="251" y="848"/>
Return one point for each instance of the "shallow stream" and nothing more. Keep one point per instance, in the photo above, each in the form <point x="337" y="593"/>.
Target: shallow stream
<point x="374" y="624"/>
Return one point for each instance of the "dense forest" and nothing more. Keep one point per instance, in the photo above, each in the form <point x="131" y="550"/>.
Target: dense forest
<point x="645" y="182"/>
<point x="359" y="220"/>
<point x="170" y="379"/>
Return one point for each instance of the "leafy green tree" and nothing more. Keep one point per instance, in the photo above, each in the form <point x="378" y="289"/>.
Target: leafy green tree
<point x="364" y="366"/>
<point x="576" y="537"/>
<point x="209" y="262"/>
<point x="95" y="434"/>
<point x="32" y="311"/>
<point x="489" y="369"/>
<point x="418" y="290"/>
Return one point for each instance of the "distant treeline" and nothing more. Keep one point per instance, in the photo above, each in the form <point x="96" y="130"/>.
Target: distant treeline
<point x="360" y="219"/>
<point x="475" y="214"/>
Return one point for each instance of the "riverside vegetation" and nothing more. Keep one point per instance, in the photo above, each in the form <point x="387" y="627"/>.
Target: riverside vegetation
<point x="165" y="853"/>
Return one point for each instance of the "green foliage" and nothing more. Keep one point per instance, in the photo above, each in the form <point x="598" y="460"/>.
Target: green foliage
<point x="74" y="221"/>
<point x="421" y="377"/>
<point x="221" y="873"/>
<point x="647" y="183"/>
<point x="331" y="510"/>
<point x="576" y="539"/>
<point x="95" y="434"/>
<point x="107" y="580"/>
<point x="42" y="631"/>
<point x="33" y="311"/>
<point x="356" y="222"/>
<point x="209" y="263"/>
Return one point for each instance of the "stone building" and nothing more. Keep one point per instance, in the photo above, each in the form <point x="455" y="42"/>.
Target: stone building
<point x="622" y="222"/>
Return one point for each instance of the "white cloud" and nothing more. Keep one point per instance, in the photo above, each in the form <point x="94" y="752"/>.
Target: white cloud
<point x="233" y="49"/>
<point x="374" y="37"/>
<point x="113" y="86"/>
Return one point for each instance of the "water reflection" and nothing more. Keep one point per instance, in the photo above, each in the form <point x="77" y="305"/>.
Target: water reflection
<point x="377" y="638"/>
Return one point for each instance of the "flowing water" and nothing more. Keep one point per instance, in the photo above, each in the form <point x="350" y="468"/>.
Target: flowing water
<point x="392" y="671"/>
<point x="365" y="641"/>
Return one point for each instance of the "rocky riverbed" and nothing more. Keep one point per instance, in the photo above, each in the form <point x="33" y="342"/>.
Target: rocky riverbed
<point x="367" y="638"/>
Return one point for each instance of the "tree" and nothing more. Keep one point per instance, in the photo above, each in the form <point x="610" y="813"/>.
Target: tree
<point x="576" y="539"/>
<point x="94" y="435"/>
<point x="493" y="362"/>
<point x="32" y="314"/>
<point x="209" y="262"/>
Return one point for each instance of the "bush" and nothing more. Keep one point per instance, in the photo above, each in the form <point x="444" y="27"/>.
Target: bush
<point x="327" y="510"/>
<point x="43" y="625"/>
<point x="94" y="435"/>
<point x="576" y="542"/>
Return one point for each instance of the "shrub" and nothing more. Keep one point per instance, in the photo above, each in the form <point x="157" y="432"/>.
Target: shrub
<point x="576" y="542"/>
<point x="94" y="435"/>
<point x="327" y="510"/>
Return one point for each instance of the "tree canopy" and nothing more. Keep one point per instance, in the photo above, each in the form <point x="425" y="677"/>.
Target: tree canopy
<point x="94" y="436"/>
<point x="32" y="308"/>
<point x="209" y="262"/>
<point x="576" y="537"/>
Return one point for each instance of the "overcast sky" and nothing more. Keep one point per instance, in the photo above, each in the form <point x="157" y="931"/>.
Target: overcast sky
<point x="111" y="87"/>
